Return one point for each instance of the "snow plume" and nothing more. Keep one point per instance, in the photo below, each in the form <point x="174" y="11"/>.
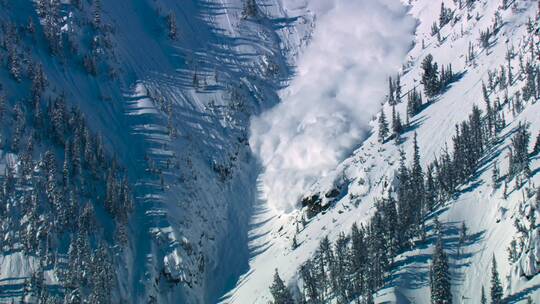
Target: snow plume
<point x="340" y="82"/>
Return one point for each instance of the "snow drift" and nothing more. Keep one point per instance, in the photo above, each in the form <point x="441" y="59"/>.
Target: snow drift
<point x="339" y="85"/>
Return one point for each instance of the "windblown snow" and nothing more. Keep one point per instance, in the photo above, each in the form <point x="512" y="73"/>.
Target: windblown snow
<point x="325" y="112"/>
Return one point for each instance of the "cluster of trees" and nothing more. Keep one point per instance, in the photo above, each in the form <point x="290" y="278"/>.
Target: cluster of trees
<point x="435" y="81"/>
<point x="414" y="103"/>
<point x="63" y="175"/>
<point x="525" y="225"/>
<point x="49" y="12"/>
<point x="41" y="198"/>
<point x="531" y="89"/>
<point x="519" y="154"/>
<point x="64" y="42"/>
<point x="357" y="264"/>
<point x="445" y="15"/>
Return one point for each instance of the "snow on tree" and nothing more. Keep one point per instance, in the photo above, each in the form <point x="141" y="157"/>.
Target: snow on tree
<point x="496" y="290"/>
<point x="414" y="103"/>
<point x="96" y="20"/>
<point x="383" y="127"/>
<point x="519" y="155"/>
<point x="445" y="15"/>
<point x="397" y="124"/>
<point x="440" y="281"/>
<point x="171" y="26"/>
<point x="430" y="76"/>
<point x="279" y="291"/>
<point x="250" y="9"/>
<point x="14" y="65"/>
<point x="530" y="90"/>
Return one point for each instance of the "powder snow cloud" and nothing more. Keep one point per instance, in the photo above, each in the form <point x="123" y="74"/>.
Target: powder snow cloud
<point x="340" y="82"/>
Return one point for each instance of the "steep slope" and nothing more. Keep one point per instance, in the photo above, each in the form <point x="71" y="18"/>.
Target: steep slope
<point x="170" y="88"/>
<point x="349" y="194"/>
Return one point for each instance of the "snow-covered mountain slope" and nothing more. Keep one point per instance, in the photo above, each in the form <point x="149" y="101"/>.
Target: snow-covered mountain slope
<point x="169" y="86"/>
<point x="348" y="194"/>
<point x="151" y="146"/>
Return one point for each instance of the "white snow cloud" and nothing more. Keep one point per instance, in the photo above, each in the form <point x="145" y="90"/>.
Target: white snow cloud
<point x="340" y="82"/>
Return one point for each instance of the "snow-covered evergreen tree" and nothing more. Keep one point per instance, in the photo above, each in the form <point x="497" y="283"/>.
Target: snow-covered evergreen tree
<point x="496" y="290"/>
<point x="279" y="291"/>
<point x="383" y="127"/>
<point x="430" y="76"/>
<point x="250" y="9"/>
<point x="440" y="276"/>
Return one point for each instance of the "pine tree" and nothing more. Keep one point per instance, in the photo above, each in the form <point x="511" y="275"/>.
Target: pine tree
<point x="279" y="291"/>
<point x="391" y="92"/>
<point x="171" y="25"/>
<point x="65" y="167"/>
<point x="519" y="160"/>
<point x="490" y="113"/>
<point x="294" y="243"/>
<point x="39" y="82"/>
<point x="445" y="15"/>
<point x="52" y="25"/>
<point x="417" y="181"/>
<point x="483" y="299"/>
<point x="96" y="21"/>
<point x="3" y="105"/>
<point x="440" y="276"/>
<point x="496" y="286"/>
<point x="340" y="269"/>
<point x="403" y="197"/>
<point x="250" y="9"/>
<point x="398" y="89"/>
<point x="462" y="236"/>
<point x="14" y="65"/>
<point x="397" y="125"/>
<point x="495" y="175"/>
<point x="431" y="189"/>
<point x="102" y="276"/>
<point x="383" y="127"/>
<point x="358" y="259"/>
<point x="430" y="76"/>
<point x="414" y="103"/>
<point x="311" y="288"/>
<point x="485" y="37"/>
<point x="536" y="149"/>
<point x="529" y="91"/>
<point x="538" y="196"/>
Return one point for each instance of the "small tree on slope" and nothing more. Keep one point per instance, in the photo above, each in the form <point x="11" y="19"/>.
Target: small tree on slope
<point x="536" y="148"/>
<point x="383" y="127"/>
<point x="440" y="276"/>
<point x="496" y="287"/>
